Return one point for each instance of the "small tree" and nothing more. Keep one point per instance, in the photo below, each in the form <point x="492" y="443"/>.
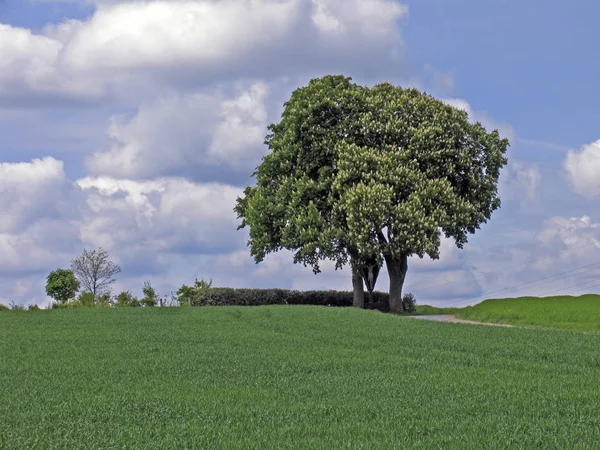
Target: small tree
<point x="95" y="270"/>
<point x="62" y="285"/>
<point x="188" y="295"/>
<point x="126" y="299"/>
<point x="150" y="296"/>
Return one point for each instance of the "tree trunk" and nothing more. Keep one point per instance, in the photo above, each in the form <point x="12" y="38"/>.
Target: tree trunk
<point x="358" y="287"/>
<point x="397" y="268"/>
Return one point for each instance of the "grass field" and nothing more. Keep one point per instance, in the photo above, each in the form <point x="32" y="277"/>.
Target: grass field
<point x="290" y="377"/>
<point x="574" y="313"/>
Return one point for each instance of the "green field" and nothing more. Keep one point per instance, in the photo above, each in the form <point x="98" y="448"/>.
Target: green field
<point x="290" y="377"/>
<point x="573" y="313"/>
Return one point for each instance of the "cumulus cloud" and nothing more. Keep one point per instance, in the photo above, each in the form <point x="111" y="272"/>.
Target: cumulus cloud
<point x="582" y="168"/>
<point x="179" y="131"/>
<point x="161" y="33"/>
<point x="520" y="183"/>
<point x="580" y="233"/>
<point x="29" y="64"/>
<point x="124" y="43"/>
<point x="30" y="191"/>
<point x="162" y="215"/>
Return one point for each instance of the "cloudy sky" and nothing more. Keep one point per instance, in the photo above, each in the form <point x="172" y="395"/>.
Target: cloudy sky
<point x="135" y="125"/>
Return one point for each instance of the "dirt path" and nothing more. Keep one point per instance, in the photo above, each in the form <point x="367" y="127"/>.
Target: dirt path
<point x="454" y="319"/>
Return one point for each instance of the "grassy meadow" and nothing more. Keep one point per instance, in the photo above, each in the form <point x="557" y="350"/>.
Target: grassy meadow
<point x="573" y="313"/>
<point x="290" y="377"/>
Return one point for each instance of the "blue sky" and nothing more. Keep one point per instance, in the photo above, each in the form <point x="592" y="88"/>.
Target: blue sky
<point x="134" y="126"/>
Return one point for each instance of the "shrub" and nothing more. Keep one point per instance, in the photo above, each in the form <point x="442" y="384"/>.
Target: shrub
<point x="15" y="307"/>
<point x="255" y="297"/>
<point x="4" y="307"/>
<point x="126" y="300"/>
<point x="189" y="295"/>
<point x="150" y="296"/>
<point x="409" y="303"/>
<point x="33" y="308"/>
<point x="85" y="299"/>
<point x="68" y="305"/>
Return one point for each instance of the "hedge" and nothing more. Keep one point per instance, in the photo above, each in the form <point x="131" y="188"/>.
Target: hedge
<point x="222" y="296"/>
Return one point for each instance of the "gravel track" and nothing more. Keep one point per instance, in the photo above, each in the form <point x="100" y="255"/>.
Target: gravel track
<point x="453" y="319"/>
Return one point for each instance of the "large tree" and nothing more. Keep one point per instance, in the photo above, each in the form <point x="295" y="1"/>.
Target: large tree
<point x="359" y="173"/>
<point x="292" y="205"/>
<point x="422" y="169"/>
<point x="62" y="285"/>
<point x="95" y="271"/>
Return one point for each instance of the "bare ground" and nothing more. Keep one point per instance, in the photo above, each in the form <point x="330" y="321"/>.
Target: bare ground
<point x="453" y="319"/>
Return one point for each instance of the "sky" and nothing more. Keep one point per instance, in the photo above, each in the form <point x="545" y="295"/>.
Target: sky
<point x="134" y="126"/>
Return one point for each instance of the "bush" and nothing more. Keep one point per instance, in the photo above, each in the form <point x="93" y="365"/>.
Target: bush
<point x="86" y="299"/>
<point x="4" y="307"/>
<point x="126" y="300"/>
<point x="409" y="303"/>
<point x="188" y="295"/>
<point x="33" y="308"/>
<point x="68" y="305"/>
<point x="104" y="300"/>
<point x="151" y="298"/>
<point x="256" y="297"/>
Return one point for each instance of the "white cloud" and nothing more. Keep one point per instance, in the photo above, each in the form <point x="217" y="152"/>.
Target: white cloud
<point x="375" y="18"/>
<point x="29" y="63"/>
<point x="178" y="43"/>
<point x="160" y="33"/>
<point x="187" y="130"/>
<point x="167" y="214"/>
<point x="241" y="129"/>
<point x="29" y="191"/>
<point x="571" y="233"/>
<point x="582" y="168"/>
<point x="520" y="183"/>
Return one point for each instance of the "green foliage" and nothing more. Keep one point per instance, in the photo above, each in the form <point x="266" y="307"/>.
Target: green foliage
<point x="4" y="307"/>
<point x="126" y="300"/>
<point x="292" y="204"/>
<point x="104" y="300"/>
<point x="190" y="295"/>
<point x="357" y="172"/>
<point x="423" y="168"/>
<point x="85" y="299"/>
<point x="567" y="312"/>
<point x="429" y="310"/>
<point x="16" y="307"/>
<point x="255" y="297"/>
<point x="33" y="308"/>
<point x="409" y="303"/>
<point x="150" y="298"/>
<point x="62" y="285"/>
<point x="290" y="378"/>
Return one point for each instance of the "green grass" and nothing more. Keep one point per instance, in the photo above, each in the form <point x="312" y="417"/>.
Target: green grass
<point x="572" y="313"/>
<point x="429" y="310"/>
<point x="290" y="377"/>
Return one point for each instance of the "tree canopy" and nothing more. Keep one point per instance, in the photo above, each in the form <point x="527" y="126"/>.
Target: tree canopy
<point x="62" y="285"/>
<point x="357" y="172"/>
